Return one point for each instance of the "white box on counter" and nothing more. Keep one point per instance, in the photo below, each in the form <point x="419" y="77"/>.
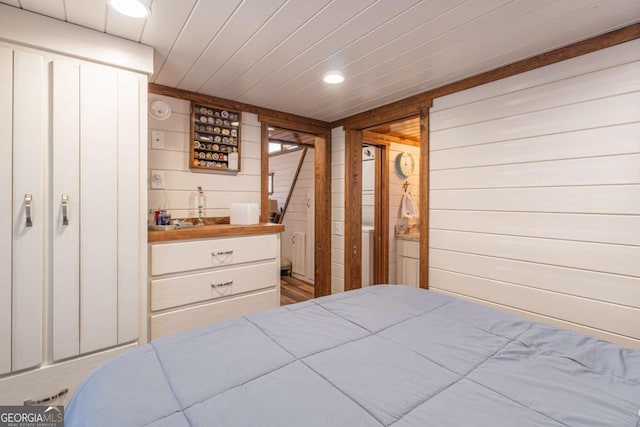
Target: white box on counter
<point x="244" y="214"/>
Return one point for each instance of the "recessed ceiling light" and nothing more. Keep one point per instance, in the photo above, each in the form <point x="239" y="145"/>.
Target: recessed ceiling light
<point x="131" y="8"/>
<point x="333" y="77"/>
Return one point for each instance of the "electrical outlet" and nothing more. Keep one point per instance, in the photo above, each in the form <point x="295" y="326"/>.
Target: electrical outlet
<point x="157" y="180"/>
<point x="157" y="139"/>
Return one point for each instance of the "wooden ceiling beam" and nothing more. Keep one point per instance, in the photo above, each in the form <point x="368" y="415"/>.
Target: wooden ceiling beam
<point x="379" y="138"/>
<point x="412" y="105"/>
<point x="317" y="126"/>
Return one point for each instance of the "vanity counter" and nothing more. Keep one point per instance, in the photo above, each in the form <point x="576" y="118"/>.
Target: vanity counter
<point x="214" y="230"/>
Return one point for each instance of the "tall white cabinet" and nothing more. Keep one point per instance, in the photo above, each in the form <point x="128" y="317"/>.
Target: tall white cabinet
<point x="72" y="198"/>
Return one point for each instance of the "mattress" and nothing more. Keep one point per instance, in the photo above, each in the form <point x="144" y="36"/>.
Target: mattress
<point x="379" y="356"/>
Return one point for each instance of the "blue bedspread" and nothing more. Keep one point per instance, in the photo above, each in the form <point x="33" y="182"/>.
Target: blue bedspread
<point x="379" y="356"/>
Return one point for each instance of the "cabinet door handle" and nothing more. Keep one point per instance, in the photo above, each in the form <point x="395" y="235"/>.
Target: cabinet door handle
<point x="65" y="209"/>
<point x="27" y="207"/>
<point x="222" y="253"/>
<point x="221" y="285"/>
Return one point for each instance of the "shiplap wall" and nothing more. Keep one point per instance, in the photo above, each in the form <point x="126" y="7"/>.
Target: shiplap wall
<point x="535" y="194"/>
<point x="283" y="167"/>
<point x="337" y="209"/>
<point x="296" y="218"/>
<point x="221" y="189"/>
<point x="395" y="197"/>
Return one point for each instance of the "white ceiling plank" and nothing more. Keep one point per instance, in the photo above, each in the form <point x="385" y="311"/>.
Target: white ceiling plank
<point x="207" y="19"/>
<point x="240" y="28"/>
<point x="416" y="20"/>
<point x="124" y="26"/>
<point x="450" y="28"/>
<point x="168" y="18"/>
<point x="462" y="42"/>
<point x="87" y="13"/>
<point x="52" y="8"/>
<point x="14" y="3"/>
<point x="319" y="27"/>
<point x="561" y="31"/>
<point x="369" y="20"/>
<point x="285" y="22"/>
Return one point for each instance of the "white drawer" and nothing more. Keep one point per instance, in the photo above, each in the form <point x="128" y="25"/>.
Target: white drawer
<point x="408" y="248"/>
<point x="181" y="290"/>
<point x="187" y="318"/>
<point x="195" y="255"/>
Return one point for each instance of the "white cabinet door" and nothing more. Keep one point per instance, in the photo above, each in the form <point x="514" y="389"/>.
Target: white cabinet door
<point x="129" y="135"/>
<point x="66" y="182"/>
<point x="98" y="207"/>
<point x="29" y="138"/>
<point x="6" y="191"/>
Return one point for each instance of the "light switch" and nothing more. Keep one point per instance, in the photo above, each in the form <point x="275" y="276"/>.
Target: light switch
<point x="337" y="228"/>
<point x="157" y="180"/>
<point x="157" y="139"/>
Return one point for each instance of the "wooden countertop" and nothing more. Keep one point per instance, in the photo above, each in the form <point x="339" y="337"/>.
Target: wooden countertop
<point x="214" y="230"/>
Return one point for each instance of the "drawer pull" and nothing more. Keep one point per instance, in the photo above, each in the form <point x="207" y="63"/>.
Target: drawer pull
<point x="221" y="285"/>
<point x="32" y="402"/>
<point x="222" y="253"/>
<point x="28" y="199"/>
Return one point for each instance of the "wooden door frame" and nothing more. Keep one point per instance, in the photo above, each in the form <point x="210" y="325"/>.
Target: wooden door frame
<point x="381" y="213"/>
<point x="322" y="196"/>
<point x="353" y="202"/>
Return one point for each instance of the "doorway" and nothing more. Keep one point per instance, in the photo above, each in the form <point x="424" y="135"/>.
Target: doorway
<point x="396" y="215"/>
<point x="295" y="193"/>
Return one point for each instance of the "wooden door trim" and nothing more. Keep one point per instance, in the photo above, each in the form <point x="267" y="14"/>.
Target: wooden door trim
<point x="353" y="210"/>
<point x="322" y="233"/>
<point x="423" y="225"/>
<point x="322" y="190"/>
<point x="381" y="233"/>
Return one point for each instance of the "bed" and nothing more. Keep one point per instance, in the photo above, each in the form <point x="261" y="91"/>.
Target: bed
<point x="378" y="356"/>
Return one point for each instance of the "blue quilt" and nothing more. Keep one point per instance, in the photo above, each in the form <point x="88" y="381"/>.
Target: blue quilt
<point x="379" y="356"/>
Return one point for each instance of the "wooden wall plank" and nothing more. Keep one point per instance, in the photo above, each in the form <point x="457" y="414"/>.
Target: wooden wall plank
<point x="322" y="203"/>
<point x="623" y="290"/>
<point x="600" y="199"/>
<point x="614" y="229"/>
<point x="574" y="172"/>
<point x="606" y="258"/>
<point x="602" y="315"/>
<point x="352" y="210"/>
<point x="590" y="114"/>
<point x="620" y="139"/>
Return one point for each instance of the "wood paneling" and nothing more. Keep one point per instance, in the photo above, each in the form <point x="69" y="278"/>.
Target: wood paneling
<point x="353" y="210"/>
<point x="293" y="183"/>
<point x="6" y="204"/>
<point x="408" y="129"/>
<point x="425" y="186"/>
<point x="381" y="209"/>
<point x="322" y="244"/>
<point x="530" y="208"/>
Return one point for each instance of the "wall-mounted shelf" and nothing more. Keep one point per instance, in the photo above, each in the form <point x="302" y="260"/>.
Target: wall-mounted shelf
<point x="215" y="138"/>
